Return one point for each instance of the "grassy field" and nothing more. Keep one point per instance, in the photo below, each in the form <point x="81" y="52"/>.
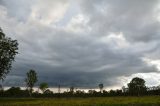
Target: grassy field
<point x="94" y="101"/>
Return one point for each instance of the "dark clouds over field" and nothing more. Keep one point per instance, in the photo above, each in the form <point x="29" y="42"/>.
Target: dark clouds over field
<point x="84" y="42"/>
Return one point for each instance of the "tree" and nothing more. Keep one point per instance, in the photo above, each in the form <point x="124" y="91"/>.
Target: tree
<point x="8" y="51"/>
<point x="43" y="87"/>
<point x="31" y="80"/>
<point x="101" y="87"/>
<point x="14" y="91"/>
<point x="137" y="86"/>
<point x="124" y="89"/>
<point x="72" y="89"/>
<point x="47" y="92"/>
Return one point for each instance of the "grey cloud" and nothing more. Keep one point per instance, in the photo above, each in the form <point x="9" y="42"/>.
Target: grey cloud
<point x="81" y="59"/>
<point x="136" y="19"/>
<point x="20" y="9"/>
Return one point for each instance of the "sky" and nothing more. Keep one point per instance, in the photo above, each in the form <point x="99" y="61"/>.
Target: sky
<point x="84" y="42"/>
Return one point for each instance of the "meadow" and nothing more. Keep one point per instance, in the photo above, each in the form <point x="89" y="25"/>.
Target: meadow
<point x="92" y="101"/>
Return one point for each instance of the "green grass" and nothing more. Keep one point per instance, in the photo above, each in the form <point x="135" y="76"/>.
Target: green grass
<point x="93" y="101"/>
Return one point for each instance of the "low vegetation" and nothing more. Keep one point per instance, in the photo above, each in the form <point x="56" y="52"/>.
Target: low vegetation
<point x="92" y="101"/>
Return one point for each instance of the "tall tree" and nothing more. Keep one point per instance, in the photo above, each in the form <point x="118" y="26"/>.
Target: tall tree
<point x="43" y="87"/>
<point x="137" y="86"/>
<point x="8" y="51"/>
<point x="72" y="89"/>
<point x="31" y="80"/>
<point x="101" y="87"/>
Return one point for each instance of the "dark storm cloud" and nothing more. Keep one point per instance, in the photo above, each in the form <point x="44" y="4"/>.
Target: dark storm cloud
<point x="104" y="41"/>
<point x="80" y="62"/>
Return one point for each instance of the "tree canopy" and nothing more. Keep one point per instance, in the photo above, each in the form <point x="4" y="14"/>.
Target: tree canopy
<point x="43" y="87"/>
<point x="31" y="79"/>
<point x="8" y="51"/>
<point x="100" y="87"/>
<point x="137" y="86"/>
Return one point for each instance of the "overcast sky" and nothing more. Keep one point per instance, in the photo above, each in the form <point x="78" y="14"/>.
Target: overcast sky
<point x="84" y="42"/>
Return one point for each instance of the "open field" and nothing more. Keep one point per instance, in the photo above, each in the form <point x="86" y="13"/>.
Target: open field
<point x="93" y="101"/>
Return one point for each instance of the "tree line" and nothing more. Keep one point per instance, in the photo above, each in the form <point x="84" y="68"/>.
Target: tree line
<point x="8" y="51"/>
<point x="136" y="87"/>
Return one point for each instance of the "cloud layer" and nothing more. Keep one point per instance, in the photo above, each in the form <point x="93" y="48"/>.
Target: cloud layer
<point x="83" y="43"/>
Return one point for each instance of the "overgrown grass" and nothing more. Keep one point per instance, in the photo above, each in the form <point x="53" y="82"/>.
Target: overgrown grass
<point x="93" y="101"/>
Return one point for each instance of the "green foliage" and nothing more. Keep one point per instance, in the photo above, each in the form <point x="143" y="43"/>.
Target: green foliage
<point x="31" y="79"/>
<point x="48" y="92"/>
<point x="14" y="92"/>
<point x="137" y="86"/>
<point x="8" y="51"/>
<point x="43" y="86"/>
